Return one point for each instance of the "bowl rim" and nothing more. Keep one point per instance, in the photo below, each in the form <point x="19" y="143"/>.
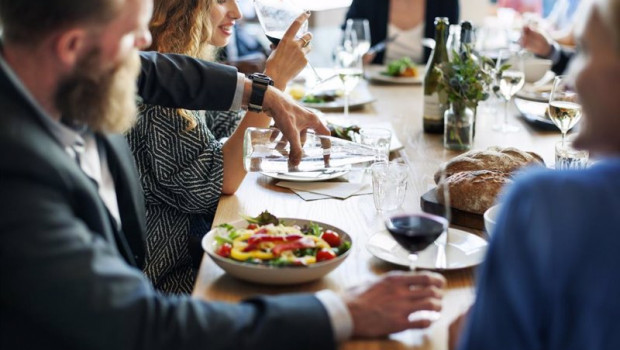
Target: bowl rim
<point x="492" y="209"/>
<point x="206" y="238"/>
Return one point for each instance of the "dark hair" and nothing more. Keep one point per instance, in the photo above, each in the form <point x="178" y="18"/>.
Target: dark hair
<point x="29" y="21"/>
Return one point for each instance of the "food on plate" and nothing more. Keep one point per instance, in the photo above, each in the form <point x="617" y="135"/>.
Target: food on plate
<point x="266" y="240"/>
<point x="343" y="132"/>
<point x="476" y="178"/>
<point x="403" y="67"/>
<point x="322" y="96"/>
<point x="297" y="91"/>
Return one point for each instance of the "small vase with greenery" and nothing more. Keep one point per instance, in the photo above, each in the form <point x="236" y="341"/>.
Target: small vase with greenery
<point x="465" y="81"/>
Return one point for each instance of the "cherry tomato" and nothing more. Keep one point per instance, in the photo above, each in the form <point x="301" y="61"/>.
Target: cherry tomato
<point x="252" y="226"/>
<point x="324" y="254"/>
<point x="224" y="250"/>
<point x="331" y="238"/>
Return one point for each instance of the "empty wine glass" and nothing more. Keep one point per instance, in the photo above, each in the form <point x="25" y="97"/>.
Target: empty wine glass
<point x="348" y="66"/>
<point x="511" y="80"/>
<point x="564" y="107"/>
<point x="362" y="33"/>
<point x="275" y="16"/>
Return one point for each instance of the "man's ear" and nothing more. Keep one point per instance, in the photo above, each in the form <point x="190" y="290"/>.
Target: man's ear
<point x="69" y="46"/>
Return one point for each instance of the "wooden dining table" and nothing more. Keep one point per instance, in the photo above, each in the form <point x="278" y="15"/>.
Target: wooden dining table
<point x="400" y="105"/>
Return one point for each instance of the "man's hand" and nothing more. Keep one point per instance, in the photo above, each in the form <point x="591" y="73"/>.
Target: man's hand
<point x="384" y="307"/>
<point x="292" y="120"/>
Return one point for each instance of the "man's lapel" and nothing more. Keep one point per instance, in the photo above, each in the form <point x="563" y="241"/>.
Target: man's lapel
<point x="130" y="197"/>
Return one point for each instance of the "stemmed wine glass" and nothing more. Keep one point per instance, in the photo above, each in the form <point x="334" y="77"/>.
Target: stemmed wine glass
<point x="348" y="66"/>
<point x="361" y="27"/>
<point x="275" y="16"/>
<point x="416" y="231"/>
<point x="511" y="80"/>
<point x="564" y="107"/>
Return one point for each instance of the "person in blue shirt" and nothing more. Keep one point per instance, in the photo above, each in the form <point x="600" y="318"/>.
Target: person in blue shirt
<point x="550" y="277"/>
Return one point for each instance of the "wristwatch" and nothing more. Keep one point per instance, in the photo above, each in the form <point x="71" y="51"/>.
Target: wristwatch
<point x="260" y="83"/>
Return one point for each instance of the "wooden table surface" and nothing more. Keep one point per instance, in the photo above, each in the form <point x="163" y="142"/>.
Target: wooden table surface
<point x="402" y="106"/>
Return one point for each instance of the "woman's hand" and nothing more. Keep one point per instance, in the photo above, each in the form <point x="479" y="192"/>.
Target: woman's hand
<point x="289" y="57"/>
<point x="536" y="42"/>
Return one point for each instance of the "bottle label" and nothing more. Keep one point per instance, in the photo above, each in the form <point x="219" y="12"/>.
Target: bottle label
<point x="432" y="107"/>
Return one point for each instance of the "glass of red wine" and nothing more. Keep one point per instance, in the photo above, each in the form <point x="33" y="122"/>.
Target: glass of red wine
<point x="415" y="232"/>
<point x="275" y="16"/>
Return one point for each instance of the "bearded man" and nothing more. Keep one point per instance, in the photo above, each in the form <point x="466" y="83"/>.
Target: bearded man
<point x="71" y="210"/>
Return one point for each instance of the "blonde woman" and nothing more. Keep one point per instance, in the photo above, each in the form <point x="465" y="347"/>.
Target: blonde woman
<point x="183" y="166"/>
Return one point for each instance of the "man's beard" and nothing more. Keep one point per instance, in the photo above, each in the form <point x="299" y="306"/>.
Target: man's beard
<point x="102" y="99"/>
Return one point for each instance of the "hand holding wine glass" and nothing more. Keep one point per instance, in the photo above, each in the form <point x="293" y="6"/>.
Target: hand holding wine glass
<point x="276" y="16"/>
<point x="564" y="107"/>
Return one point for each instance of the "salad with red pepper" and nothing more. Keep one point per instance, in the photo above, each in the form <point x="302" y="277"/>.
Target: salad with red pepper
<point x="268" y="241"/>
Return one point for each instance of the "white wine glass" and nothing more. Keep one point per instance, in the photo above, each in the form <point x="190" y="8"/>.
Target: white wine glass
<point x="348" y="66"/>
<point x="564" y="106"/>
<point x="361" y="27"/>
<point x="275" y="16"/>
<point x="511" y="80"/>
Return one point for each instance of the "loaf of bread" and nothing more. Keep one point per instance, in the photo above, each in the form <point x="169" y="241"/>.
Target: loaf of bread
<point x="473" y="191"/>
<point x="503" y="160"/>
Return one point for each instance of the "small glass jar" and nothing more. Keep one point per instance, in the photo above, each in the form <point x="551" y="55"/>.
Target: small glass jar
<point x="458" y="127"/>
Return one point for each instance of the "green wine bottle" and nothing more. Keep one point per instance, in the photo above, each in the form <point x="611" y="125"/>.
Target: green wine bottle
<point x="433" y="107"/>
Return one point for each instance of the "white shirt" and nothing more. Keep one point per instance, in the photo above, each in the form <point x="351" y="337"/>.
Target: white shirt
<point x="408" y="43"/>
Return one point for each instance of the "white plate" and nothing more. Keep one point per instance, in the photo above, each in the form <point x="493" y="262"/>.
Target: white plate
<point x="358" y="97"/>
<point x="463" y="250"/>
<point x="308" y="176"/>
<point x="271" y="274"/>
<point x="375" y="73"/>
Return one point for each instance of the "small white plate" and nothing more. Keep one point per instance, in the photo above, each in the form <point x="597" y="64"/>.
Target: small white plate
<point x="376" y="73"/>
<point x="464" y="249"/>
<point x="308" y="176"/>
<point x="358" y="98"/>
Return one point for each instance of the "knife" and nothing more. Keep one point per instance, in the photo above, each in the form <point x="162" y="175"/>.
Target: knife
<point x="380" y="46"/>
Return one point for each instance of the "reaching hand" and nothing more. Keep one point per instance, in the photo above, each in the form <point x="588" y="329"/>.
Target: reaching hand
<point x="536" y="42"/>
<point x="384" y="307"/>
<point x="292" y="120"/>
<point x="289" y="57"/>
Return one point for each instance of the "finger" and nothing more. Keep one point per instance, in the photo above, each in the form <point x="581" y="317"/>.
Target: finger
<point x="295" y="154"/>
<point x="295" y="26"/>
<point x="419" y="324"/>
<point x="302" y="137"/>
<point x="421" y="279"/>
<point x="304" y="40"/>
<point x="426" y="292"/>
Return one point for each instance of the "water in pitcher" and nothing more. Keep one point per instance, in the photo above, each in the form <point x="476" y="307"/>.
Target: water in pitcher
<point x="266" y="150"/>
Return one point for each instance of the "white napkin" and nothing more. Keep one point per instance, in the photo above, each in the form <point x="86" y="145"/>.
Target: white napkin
<point x="322" y="190"/>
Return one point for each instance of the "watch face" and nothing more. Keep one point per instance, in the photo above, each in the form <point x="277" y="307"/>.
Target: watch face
<point x="261" y="78"/>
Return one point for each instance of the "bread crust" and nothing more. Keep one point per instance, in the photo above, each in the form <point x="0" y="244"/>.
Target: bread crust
<point x="473" y="191"/>
<point x="504" y="160"/>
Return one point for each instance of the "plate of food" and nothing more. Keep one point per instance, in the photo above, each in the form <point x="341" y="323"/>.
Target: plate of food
<point x="463" y="249"/>
<point x="402" y="71"/>
<point x="279" y="251"/>
<point x="333" y="99"/>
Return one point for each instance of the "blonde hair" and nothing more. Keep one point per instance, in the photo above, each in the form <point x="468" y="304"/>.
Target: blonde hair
<point x="182" y="27"/>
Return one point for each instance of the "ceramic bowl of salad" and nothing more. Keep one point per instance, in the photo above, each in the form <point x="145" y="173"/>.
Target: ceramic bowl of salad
<point x="270" y="250"/>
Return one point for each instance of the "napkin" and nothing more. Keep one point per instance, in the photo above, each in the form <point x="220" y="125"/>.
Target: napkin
<point x="322" y="190"/>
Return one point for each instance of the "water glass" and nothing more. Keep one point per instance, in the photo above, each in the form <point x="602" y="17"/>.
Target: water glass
<point x="566" y="157"/>
<point x="379" y="139"/>
<point x="389" y="185"/>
